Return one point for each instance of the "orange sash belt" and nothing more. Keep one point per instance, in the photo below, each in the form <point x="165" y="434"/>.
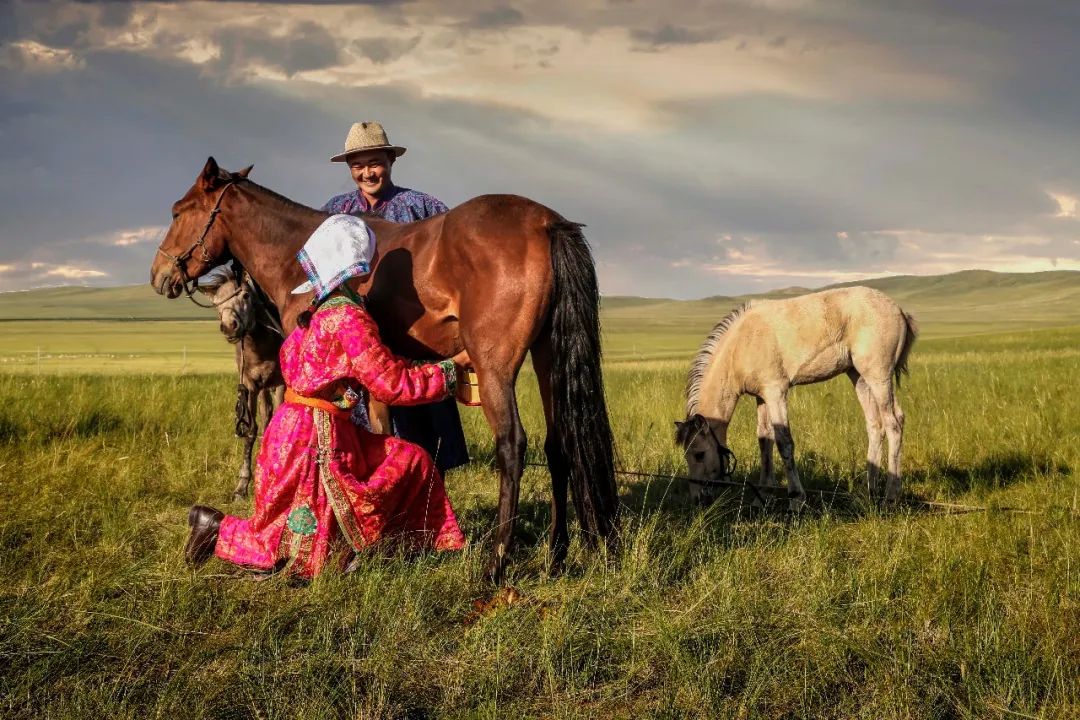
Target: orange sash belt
<point x="291" y="396"/>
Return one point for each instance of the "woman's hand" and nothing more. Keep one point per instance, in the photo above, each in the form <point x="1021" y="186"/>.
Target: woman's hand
<point x="462" y="363"/>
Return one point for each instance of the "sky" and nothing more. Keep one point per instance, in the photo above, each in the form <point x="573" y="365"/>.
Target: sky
<point x="709" y="147"/>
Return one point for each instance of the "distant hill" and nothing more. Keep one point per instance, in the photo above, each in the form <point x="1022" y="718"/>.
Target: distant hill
<point x="971" y="301"/>
<point x="129" y="302"/>
<point x="958" y="303"/>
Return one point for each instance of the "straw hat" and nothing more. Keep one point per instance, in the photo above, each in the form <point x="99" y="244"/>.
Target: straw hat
<point x="364" y="136"/>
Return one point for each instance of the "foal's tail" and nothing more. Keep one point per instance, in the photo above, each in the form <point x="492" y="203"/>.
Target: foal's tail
<point x="581" y="418"/>
<point x="911" y="333"/>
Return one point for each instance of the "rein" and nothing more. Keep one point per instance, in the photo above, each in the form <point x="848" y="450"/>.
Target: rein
<point x="190" y="284"/>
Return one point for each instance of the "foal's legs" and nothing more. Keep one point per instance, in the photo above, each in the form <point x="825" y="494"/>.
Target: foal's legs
<point x="893" y="419"/>
<point x="873" y="433"/>
<point x="557" y="463"/>
<point x="765" y="444"/>
<point x="776" y="403"/>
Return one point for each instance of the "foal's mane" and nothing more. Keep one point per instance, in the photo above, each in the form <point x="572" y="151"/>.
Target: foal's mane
<point x="704" y="357"/>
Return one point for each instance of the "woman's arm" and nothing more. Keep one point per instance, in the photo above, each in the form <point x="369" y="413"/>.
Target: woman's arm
<point x="389" y="378"/>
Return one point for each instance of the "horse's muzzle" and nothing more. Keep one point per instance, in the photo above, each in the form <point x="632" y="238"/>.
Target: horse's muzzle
<point x="165" y="284"/>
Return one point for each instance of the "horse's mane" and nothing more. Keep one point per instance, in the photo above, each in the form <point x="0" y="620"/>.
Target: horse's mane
<point x="705" y="355"/>
<point x="287" y="202"/>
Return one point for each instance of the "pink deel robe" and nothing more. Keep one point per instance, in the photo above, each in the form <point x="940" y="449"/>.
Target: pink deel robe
<point x="325" y="487"/>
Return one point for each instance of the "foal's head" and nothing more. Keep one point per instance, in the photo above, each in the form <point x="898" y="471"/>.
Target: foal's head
<point x="233" y="300"/>
<point x="706" y="456"/>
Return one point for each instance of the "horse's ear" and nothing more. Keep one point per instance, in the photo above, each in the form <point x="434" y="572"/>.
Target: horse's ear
<point x="211" y="174"/>
<point x="682" y="433"/>
<point x="242" y="175"/>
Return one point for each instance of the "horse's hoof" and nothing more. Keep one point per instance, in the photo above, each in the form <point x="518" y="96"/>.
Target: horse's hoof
<point x="495" y="573"/>
<point x="797" y="503"/>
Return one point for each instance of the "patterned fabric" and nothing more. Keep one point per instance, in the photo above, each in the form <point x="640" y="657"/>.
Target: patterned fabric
<point x="402" y="205"/>
<point x="435" y="427"/>
<point x="324" y="488"/>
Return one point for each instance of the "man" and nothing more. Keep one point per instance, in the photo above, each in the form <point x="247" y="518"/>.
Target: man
<point x="370" y="158"/>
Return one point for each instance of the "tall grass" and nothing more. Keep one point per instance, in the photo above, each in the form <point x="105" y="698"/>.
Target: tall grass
<point x="705" y="613"/>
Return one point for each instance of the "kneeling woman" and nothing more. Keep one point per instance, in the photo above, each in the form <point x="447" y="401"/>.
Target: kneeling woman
<point x="324" y="488"/>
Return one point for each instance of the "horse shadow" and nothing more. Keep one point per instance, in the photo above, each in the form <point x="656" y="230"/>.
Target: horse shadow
<point x="996" y="471"/>
<point x="738" y="515"/>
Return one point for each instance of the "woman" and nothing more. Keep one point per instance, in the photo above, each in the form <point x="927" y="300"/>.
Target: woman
<point x="326" y="489"/>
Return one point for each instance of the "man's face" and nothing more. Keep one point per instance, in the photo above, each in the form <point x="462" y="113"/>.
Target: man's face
<point x="371" y="170"/>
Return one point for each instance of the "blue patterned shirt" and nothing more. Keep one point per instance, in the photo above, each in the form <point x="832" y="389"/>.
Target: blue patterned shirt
<point x="403" y="205"/>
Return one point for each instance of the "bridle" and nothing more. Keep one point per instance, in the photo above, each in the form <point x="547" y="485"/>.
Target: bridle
<point x="728" y="461"/>
<point x="179" y="262"/>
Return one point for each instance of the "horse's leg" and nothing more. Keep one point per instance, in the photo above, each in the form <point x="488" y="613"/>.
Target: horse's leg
<point x="776" y="402"/>
<point x="244" y="478"/>
<point x="557" y="463"/>
<point x="500" y="408"/>
<point x="893" y="419"/>
<point x="874" y="432"/>
<point x="767" y="475"/>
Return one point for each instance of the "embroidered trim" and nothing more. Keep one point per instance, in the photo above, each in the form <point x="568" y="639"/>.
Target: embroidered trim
<point x="330" y="485"/>
<point x="449" y="371"/>
<point x="321" y="288"/>
<point x="337" y="301"/>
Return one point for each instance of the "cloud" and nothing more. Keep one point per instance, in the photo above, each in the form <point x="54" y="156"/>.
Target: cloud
<point x="299" y="47"/>
<point x="668" y="35"/>
<point x="381" y="50"/>
<point x="32" y="56"/>
<point x="871" y="139"/>
<point x="151" y="233"/>
<point x="1067" y="205"/>
<point x="70" y="272"/>
<point x="500" y="16"/>
<point x="66" y="272"/>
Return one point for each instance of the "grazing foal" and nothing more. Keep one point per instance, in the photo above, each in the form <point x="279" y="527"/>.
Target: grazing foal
<point x="250" y="322"/>
<point x="765" y="347"/>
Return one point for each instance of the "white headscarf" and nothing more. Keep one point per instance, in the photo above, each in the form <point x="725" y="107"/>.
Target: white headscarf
<point x="339" y="249"/>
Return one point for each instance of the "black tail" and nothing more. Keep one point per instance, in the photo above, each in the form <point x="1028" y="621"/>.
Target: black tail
<point x="581" y="417"/>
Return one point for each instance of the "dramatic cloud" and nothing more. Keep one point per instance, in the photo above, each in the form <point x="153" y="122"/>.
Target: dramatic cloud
<point x="710" y="147"/>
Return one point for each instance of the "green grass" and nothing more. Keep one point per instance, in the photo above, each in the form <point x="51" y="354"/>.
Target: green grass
<point x="840" y="613"/>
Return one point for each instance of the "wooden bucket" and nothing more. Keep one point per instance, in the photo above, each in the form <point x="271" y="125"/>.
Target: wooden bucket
<point x="468" y="390"/>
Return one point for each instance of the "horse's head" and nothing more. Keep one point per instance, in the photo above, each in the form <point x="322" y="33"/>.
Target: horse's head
<point x="198" y="239"/>
<point x="233" y="300"/>
<point x="707" y="458"/>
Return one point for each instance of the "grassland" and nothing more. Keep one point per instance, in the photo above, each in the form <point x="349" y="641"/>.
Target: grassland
<point x="843" y="612"/>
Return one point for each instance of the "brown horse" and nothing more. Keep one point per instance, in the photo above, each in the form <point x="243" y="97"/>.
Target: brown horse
<point x="497" y="277"/>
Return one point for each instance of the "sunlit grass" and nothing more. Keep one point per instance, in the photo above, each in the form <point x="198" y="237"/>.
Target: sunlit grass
<point x="705" y="613"/>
